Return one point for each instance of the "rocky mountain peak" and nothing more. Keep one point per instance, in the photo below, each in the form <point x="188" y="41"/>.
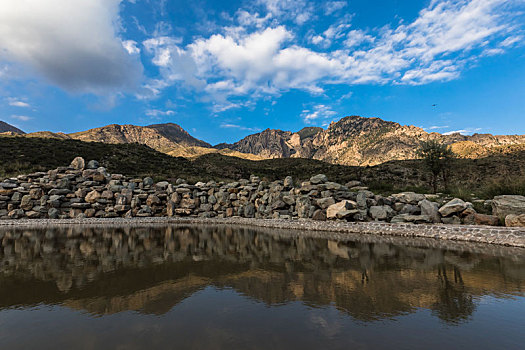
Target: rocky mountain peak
<point x="5" y="127"/>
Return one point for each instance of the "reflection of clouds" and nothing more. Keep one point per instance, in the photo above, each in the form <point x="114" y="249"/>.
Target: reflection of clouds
<point x="328" y="323"/>
<point x="154" y="269"/>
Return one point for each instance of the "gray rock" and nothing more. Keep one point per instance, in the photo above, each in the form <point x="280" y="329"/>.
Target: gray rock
<point x="409" y="197"/>
<point x="431" y="209"/>
<point x="451" y="220"/>
<point x="303" y="205"/>
<point x="354" y="183"/>
<point x="318" y="179"/>
<point x="455" y="206"/>
<point x="249" y="210"/>
<point x="319" y="215"/>
<point x="53" y="213"/>
<point x="381" y="212"/>
<point x="502" y="206"/>
<point x="148" y="181"/>
<point x="92" y="164"/>
<point x="415" y="219"/>
<point x="324" y="203"/>
<point x="410" y="209"/>
<point x="361" y="200"/>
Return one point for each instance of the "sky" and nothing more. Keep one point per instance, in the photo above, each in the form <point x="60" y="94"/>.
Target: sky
<point x="226" y="69"/>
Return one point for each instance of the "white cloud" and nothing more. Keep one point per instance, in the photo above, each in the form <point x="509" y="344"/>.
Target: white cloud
<point x="334" y="6"/>
<point x="131" y="47"/>
<point x="300" y="11"/>
<point x="319" y="113"/>
<point x="159" y="113"/>
<point x="240" y="127"/>
<point x="261" y="57"/>
<point x="356" y="37"/>
<point x="74" y="44"/>
<point x="436" y="127"/>
<point x="18" y="103"/>
<point x="468" y="131"/>
<point x="23" y="118"/>
<point x="174" y="62"/>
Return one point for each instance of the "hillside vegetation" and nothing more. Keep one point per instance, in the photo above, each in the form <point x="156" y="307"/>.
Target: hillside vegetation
<point x="497" y="174"/>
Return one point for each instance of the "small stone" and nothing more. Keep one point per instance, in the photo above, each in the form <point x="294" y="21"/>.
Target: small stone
<point x="318" y="179"/>
<point x="92" y="164"/>
<point x="513" y="220"/>
<point x="92" y="196"/>
<point x="451" y="220"/>
<point x="78" y="163"/>
<point x="148" y="181"/>
<point x="288" y="182"/>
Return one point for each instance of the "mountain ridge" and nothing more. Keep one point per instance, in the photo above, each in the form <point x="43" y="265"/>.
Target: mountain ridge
<point x="353" y="140"/>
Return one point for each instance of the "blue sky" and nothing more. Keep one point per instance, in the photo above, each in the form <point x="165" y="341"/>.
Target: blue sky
<point x="226" y="69"/>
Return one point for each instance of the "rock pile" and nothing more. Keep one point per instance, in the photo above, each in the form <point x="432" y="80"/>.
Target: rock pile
<point x="85" y="190"/>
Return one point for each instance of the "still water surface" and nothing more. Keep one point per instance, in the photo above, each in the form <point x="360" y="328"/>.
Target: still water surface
<point x="215" y="287"/>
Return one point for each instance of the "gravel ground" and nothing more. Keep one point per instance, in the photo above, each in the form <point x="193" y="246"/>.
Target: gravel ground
<point x="466" y="233"/>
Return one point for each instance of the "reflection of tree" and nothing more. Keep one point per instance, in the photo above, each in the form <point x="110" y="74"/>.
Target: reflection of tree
<point x="454" y="304"/>
<point x="151" y="269"/>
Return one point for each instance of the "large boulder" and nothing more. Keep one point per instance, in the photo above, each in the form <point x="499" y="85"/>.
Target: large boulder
<point x="455" y="206"/>
<point x="341" y="207"/>
<point x="513" y="220"/>
<point x="381" y="212"/>
<point x="502" y="206"/>
<point x="409" y="197"/>
<point x="430" y="209"/>
<point x="481" y="219"/>
<point x="303" y="205"/>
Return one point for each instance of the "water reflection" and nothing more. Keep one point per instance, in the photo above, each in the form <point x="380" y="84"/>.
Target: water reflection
<point x="150" y="270"/>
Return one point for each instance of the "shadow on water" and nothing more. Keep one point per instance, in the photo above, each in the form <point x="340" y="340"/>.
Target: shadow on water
<point x="150" y="270"/>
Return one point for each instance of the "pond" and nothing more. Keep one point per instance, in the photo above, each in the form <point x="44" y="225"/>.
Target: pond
<point x="220" y="287"/>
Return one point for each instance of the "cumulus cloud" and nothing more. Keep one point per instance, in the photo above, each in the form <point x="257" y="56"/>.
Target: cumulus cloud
<point x="236" y="126"/>
<point x="300" y="11"/>
<point x="334" y="6"/>
<point x="23" y="118"/>
<point x="260" y="56"/>
<point x="75" y="44"/>
<point x="468" y="131"/>
<point x="318" y="114"/>
<point x="14" y="102"/>
<point x="156" y="113"/>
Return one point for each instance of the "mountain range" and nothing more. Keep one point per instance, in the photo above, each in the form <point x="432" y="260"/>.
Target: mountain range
<point x="352" y="140"/>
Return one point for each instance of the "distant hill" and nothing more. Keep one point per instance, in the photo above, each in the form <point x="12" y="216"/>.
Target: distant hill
<point x="4" y="127"/>
<point x="353" y="140"/>
<point x="488" y="176"/>
<point x="363" y="141"/>
<point x="167" y="138"/>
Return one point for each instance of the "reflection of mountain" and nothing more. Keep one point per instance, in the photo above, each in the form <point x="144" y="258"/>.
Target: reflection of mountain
<point x="150" y="270"/>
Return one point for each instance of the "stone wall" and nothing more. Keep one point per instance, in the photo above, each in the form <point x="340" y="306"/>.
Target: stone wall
<point x="87" y="190"/>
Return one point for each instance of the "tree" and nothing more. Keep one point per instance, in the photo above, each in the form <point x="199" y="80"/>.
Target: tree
<point x="437" y="157"/>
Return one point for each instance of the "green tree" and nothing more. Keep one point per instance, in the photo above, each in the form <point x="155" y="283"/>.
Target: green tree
<point x="437" y="157"/>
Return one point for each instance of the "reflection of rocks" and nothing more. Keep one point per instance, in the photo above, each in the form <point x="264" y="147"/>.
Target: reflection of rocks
<point x="105" y="270"/>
